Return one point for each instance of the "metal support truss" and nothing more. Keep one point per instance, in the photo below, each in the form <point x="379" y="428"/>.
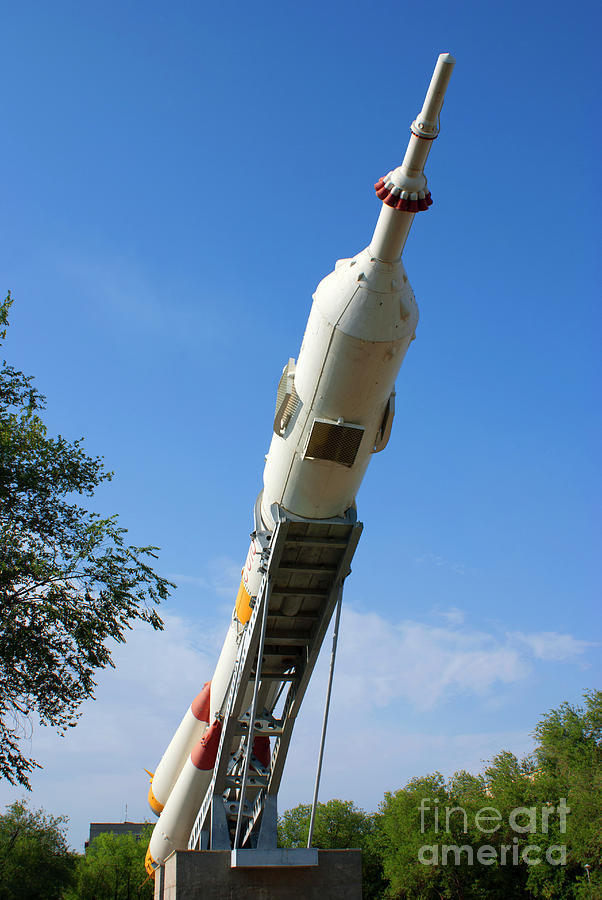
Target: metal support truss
<point x="306" y="565"/>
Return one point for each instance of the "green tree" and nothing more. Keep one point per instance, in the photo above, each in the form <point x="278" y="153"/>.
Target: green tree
<point x="474" y="837"/>
<point x="35" y="862"/>
<point x="568" y="760"/>
<point x="113" y="869"/>
<point x="518" y="810"/>
<point x="68" y="579"/>
<point x="412" y="826"/>
<point x="339" y="825"/>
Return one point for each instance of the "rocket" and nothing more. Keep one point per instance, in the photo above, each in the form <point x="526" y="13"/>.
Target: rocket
<point x="334" y="409"/>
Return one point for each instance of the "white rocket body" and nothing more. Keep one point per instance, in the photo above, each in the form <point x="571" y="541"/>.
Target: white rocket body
<point x="363" y="318"/>
<point x="334" y="409"/>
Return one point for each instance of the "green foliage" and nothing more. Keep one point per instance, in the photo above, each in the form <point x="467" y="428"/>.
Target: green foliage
<point x="35" y="863"/>
<point x="339" y="825"/>
<point x="113" y="868"/>
<point x="68" y="579"/>
<point x="504" y="829"/>
<point x="569" y="764"/>
<point x="516" y="805"/>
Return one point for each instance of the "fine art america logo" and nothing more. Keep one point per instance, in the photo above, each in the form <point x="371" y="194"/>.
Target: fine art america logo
<point x="523" y="820"/>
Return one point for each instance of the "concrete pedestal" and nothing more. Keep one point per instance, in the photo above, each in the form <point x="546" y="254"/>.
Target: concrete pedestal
<point x="209" y="875"/>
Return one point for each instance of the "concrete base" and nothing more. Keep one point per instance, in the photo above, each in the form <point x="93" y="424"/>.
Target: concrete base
<point x="208" y="875"/>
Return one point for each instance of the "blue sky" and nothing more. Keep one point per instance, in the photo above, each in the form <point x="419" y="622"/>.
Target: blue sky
<point x="177" y="181"/>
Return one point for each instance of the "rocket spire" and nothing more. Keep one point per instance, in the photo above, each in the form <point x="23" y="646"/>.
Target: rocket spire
<point x="404" y="191"/>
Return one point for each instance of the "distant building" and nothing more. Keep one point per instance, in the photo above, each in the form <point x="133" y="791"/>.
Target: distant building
<point x="97" y="828"/>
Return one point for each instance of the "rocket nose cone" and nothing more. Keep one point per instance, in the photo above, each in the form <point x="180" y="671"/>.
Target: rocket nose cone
<point x="154" y="804"/>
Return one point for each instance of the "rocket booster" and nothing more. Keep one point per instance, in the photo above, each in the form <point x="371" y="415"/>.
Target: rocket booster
<point x="190" y="730"/>
<point x="334" y="408"/>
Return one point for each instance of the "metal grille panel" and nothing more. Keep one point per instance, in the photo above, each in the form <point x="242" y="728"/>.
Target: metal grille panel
<point x="287" y="399"/>
<point x="334" y="442"/>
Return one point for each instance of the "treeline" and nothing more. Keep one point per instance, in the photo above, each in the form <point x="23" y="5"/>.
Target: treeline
<point x="36" y="863"/>
<point x="524" y="828"/>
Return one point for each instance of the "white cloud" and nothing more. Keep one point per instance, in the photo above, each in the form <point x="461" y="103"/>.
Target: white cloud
<point x="550" y="645"/>
<point x="453" y="616"/>
<point x="432" y="559"/>
<point x="410" y="667"/>
<point x="383" y="667"/>
<point x="421" y="663"/>
<point x="364" y="761"/>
